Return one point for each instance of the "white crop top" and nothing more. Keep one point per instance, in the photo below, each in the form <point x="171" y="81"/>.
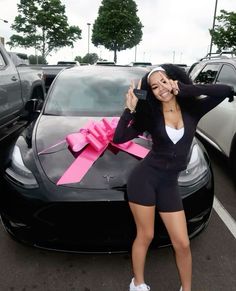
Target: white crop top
<point x="175" y="134"/>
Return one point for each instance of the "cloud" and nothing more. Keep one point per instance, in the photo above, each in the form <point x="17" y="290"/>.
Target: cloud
<point x="174" y="31"/>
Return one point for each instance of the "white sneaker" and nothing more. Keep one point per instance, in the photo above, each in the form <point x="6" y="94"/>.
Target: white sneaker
<point x="141" y="287"/>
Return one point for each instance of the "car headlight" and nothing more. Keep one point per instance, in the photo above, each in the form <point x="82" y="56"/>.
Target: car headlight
<point x="19" y="173"/>
<point x="197" y="168"/>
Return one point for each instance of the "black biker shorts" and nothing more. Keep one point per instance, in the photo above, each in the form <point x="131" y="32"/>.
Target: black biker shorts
<point x="149" y="186"/>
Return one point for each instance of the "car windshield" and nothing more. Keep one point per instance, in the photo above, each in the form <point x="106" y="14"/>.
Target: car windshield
<point x="94" y="92"/>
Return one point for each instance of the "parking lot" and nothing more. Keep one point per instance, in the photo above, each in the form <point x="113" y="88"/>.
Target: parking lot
<point x="214" y="257"/>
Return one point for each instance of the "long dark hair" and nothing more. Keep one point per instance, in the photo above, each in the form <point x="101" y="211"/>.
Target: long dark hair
<point x="173" y="72"/>
<point x="148" y="109"/>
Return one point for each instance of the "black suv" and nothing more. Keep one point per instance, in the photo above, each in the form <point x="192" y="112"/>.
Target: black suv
<point x="218" y="126"/>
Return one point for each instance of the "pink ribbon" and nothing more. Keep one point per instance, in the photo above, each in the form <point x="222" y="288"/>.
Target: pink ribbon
<point x="96" y="136"/>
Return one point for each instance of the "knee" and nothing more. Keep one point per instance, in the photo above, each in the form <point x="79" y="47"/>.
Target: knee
<point x="181" y="245"/>
<point x="145" y="236"/>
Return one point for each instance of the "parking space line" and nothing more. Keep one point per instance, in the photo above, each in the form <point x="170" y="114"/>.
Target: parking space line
<point x="225" y="216"/>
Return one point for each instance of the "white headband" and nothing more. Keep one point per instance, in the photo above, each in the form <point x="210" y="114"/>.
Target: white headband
<point x="155" y="70"/>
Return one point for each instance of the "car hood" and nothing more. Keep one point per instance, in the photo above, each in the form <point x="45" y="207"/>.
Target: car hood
<point x="110" y="170"/>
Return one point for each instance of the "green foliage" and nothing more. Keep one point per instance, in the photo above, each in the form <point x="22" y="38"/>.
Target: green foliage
<point x="36" y="60"/>
<point x="79" y="59"/>
<point x="43" y="25"/>
<point x="117" y="26"/>
<point x="88" y="58"/>
<point x="224" y="33"/>
<point x="22" y="56"/>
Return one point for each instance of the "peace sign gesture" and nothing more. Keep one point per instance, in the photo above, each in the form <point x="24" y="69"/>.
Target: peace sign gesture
<point x="169" y="84"/>
<point x="131" y="99"/>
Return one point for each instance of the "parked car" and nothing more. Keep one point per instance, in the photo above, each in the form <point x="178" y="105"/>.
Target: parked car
<point x="140" y="64"/>
<point x="17" y="60"/>
<point x="182" y="66"/>
<point x="52" y="206"/>
<point x="74" y="63"/>
<point x="105" y="63"/>
<point x="218" y="127"/>
<point x="51" y="71"/>
<point x="18" y="84"/>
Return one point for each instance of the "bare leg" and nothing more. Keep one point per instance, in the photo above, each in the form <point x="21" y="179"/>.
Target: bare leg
<point x="144" y="217"/>
<point x="175" y="223"/>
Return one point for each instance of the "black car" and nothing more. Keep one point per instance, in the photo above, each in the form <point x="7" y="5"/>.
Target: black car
<point x="87" y="213"/>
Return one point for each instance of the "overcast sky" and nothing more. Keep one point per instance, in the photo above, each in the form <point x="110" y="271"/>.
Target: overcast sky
<point x="174" y="31"/>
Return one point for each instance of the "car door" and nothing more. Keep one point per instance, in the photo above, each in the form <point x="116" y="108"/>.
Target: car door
<point x="10" y="92"/>
<point x="219" y="124"/>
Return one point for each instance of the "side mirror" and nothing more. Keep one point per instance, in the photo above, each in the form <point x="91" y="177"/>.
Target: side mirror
<point x="33" y="105"/>
<point x="32" y="109"/>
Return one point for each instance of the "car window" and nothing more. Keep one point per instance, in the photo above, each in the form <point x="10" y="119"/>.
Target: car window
<point x="208" y="74"/>
<point x="82" y="93"/>
<point x="227" y="75"/>
<point x="194" y="70"/>
<point x="2" y="62"/>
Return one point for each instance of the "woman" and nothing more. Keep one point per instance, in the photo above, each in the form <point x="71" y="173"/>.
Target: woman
<point x="170" y="114"/>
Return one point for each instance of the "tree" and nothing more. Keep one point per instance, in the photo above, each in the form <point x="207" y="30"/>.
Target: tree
<point x="90" y="58"/>
<point x="78" y="59"/>
<point x="117" y="26"/>
<point x="224" y="34"/>
<point x="43" y="25"/>
<point x="36" y="60"/>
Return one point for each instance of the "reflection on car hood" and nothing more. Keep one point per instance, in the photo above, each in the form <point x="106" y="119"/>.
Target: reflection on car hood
<point x="110" y="170"/>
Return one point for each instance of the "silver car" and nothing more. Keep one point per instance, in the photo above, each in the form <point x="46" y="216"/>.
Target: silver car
<point x="218" y="126"/>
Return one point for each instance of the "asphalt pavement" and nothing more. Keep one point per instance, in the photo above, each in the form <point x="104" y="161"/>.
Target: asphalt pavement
<point x="214" y="258"/>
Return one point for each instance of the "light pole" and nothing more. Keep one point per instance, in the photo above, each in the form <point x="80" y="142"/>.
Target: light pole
<point x="213" y="26"/>
<point x="4" y="20"/>
<point x="88" y="35"/>
<point x="2" y="38"/>
<point x="181" y="54"/>
<point x="135" y="53"/>
<point x="173" y="57"/>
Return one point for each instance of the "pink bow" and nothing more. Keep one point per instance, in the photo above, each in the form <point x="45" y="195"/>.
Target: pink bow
<point x="97" y="136"/>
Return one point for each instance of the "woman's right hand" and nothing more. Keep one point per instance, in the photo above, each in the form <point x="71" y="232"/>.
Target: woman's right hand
<point x="169" y="84"/>
<point x="131" y="99"/>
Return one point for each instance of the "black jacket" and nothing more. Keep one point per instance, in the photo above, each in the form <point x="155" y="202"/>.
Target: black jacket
<point x="165" y="154"/>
